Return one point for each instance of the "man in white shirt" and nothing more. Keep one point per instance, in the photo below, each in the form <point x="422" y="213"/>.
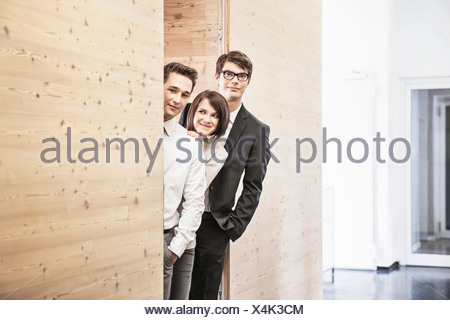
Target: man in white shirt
<point x="184" y="184"/>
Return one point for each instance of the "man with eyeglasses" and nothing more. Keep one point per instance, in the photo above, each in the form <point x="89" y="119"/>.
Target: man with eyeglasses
<point x="248" y="154"/>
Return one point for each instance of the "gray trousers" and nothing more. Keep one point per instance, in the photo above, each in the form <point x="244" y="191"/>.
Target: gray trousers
<point x="177" y="277"/>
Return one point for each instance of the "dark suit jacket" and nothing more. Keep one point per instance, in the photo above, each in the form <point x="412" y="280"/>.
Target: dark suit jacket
<point x="248" y="154"/>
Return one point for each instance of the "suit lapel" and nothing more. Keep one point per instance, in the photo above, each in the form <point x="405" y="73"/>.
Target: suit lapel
<point x="219" y="148"/>
<point x="240" y="123"/>
<point x="212" y="166"/>
<point x="238" y="127"/>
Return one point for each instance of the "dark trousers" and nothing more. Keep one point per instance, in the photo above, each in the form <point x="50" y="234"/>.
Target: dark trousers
<point x="212" y="243"/>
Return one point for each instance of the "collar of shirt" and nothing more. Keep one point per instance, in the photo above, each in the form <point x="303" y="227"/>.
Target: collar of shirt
<point x="233" y="114"/>
<point x="170" y="126"/>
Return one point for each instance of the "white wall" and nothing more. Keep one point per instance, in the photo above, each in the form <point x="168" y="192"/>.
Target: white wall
<point x="390" y="41"/>
<point x="355" y="37"/>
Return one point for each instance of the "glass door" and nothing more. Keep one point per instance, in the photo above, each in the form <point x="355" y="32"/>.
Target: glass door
<point x="429" y="224"/>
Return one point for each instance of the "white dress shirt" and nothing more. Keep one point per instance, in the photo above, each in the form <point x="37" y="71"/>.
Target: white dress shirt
<point x="212" y="166"/>
<point x="184" y="183"/>
<point x="233" y="116"/>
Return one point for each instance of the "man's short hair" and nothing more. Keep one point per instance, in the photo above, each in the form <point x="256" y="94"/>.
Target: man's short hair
<point x="236" y="57"/>
<point x="175" y="67"/>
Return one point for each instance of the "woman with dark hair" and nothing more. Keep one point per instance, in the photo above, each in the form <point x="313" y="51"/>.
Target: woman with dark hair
<point x="207" y="121"/>
<point x="208" y="115"/>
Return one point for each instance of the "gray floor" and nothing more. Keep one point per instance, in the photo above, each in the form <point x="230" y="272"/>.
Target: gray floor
<point x="405" y="283"/>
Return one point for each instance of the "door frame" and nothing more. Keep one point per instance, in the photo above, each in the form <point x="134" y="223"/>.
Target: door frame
<point x="224" y="47"/>
<point x="439" y="109"/>
<point x="419" y="259"/>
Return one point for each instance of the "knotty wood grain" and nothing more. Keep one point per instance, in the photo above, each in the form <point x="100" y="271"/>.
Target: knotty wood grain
<point x="191" y="37"/>
<point x="279" y="256"/>
<point x="77" y="230"/>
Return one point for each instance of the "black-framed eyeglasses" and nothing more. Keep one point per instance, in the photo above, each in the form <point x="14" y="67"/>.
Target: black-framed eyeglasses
<point x="229" y="75"/>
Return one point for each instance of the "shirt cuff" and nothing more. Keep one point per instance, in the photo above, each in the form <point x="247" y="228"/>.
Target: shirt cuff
<point x="177" y="246"/>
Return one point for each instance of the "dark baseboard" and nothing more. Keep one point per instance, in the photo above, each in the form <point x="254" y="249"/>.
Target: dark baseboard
<point x="392" y="267"/>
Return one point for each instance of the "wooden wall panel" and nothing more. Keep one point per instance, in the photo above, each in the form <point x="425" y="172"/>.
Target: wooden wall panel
<point x="279" y="256"/>
<point x="191" y="37"/>
<point x="76" y="230"/>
